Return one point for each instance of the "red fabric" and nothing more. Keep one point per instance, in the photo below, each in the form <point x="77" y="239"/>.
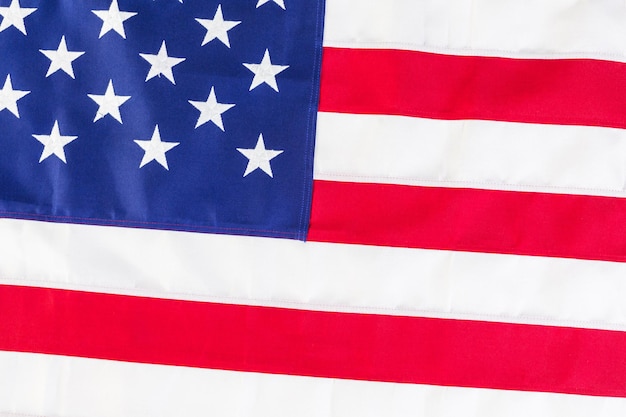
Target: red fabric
<point x="566" y="91"/>
<point x="523" y="223"/>
<point x="323" y="344"/>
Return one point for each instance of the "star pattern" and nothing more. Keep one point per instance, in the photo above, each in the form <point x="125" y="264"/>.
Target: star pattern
<point x="79" y="94"/>
<point x="265" y="72"/>
<point x="14" y="15"/>
<point x="109" y="103"/>
<point x="281" y="3"/>
<point x="113" y="19"/>
<point x="217" y="28"/>
<point x="54" y="143"/>
<point x="155" y="149"/>
<point x="161" y="64"/>
<point x="61" y="59"/>
<point x="211" y="110"/>
<point x="9" y="97"/>
<point x="259" y="157"/>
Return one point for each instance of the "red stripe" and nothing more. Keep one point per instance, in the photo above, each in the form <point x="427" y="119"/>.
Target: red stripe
<point x="564" y="91"/>
<point x="523" y="223"/>
<point x="323" y="344"/>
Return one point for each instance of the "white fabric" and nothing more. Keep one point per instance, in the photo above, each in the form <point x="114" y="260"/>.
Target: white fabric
<point x="509" y="28"/>
<point x="315" y="276"/>
<point x="43" y="385"/>
<point x="471" y="154"/>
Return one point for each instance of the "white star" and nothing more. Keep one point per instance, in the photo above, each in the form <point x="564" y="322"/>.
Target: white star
<point x="9" y="97"/>
<point x="281" y="3"/>
<point x="61" y="59"/>
<point x="259" y="157"/>
<point x="155" y="149"/>
<point x="265" y="72"/>
<point x="161" y="64"/>
<point x="113" y="19"/>
<point x="217" y="28"/>
<point x="54" y="143"/>
<point x="211" y="110"/>
<point x="14" y="16"/>
<point x="109" y="103"/>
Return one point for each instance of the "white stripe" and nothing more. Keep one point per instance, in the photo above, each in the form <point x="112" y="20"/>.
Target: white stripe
<point x="98" y="388"/>
<point x="315" y="276"/>
<point x="471" y="153"/>
<point x="510" y="28"/>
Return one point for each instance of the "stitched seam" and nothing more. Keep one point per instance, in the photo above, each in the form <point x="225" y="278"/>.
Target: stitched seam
<point x="479" y="51"/>
<point x="546" y="320"/>
<point x="380" y="179"/>
<point x="122" y="222"/>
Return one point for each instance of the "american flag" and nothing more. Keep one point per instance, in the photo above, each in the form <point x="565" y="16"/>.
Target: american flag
<point x="279" y="208"/>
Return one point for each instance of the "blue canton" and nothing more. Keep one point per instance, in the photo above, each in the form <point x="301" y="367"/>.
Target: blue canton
<point x="194" y="115"/>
